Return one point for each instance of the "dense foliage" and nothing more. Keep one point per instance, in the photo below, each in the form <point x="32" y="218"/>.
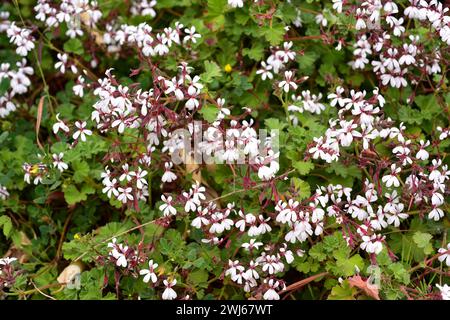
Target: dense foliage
<point x="345" y="197"/>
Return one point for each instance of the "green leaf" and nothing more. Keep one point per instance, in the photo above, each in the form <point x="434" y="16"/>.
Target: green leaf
<point x="81" y="169"/>
<point x="240" y="84"/>
<point x="275" y="124"/>
<point x="410" y="115"/>
<point x="306" y="61"/>
<point x="399" y="272"/>
<point x="212" y="70"/>
<point x="4" y="86"/>
<point x="209" y="112"/>
<point x="307" y="266"/>
<point x="74" y="46"/>
<point x="344" y="170"/>
<point x="73" y="195"/>
<point x="423" y="240"/>
<point x="317" y="252"/>
<point x="256" y="52"/>
<point x="343" y="292"/>
<point x="274" y="34"/>
<point x="153" y="231"/>
<point x="348" y="266"/>
<point x="303" y="167"/>
<point x="199" y="278"/>
<point x="217" y="7"/>
<point x="406" y="247"/>
<point x="76" y="248"/>
<point x="428" y="105"/>
<point x="241" y="17"/>
<point x="6" y="224"/>
<point x="302" y="188"/>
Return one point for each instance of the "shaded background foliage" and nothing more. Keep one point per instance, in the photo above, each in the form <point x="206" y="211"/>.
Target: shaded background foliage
<point x="68" y="218"/>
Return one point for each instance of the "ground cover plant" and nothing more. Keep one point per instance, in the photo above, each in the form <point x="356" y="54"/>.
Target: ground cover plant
<point x="224" y="149"/>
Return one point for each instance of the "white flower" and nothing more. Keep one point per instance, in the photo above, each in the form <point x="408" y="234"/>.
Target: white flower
<point x="320" y="19"/>
<point x="7" y="261"/>
<point x="236" y="3"/>
<point x="271" y="294"/>
<point x="391" y="179"/>
<point x="121" y="260"/>
<point x="395" y="218"/>
<point x="59" y="125"/>
<point x="360" y="23"/>
<point x="82" y="131"/>
<point x="110" y="187"/>
<point x="267" y="171"/>
<point x="4" y="194"/>
<point x="127" y="174"/>
<point x="288" y="255"/>
<point x="61" y="64"/>
<point x="445" y="255"/>
<point x="58" y="163"/>
<point x="78" y="89"/>
<point x="149" y="274"/>
<point x="220" y="223"/>
<point x="445" y="291"/>
<point x="372" y="244"/>
<point x="445" y="34"/>
<point x="22" y="38"/>
<point x="191" y="205"/>
<point x="118" y="252"/>
<point x="167" y="208"/>
<point x="169" y="293"/>
<point x="200" y="219"/>
<point x="234" y="268"/>
<point x="337" y="5"/>
<point x="436" y="214"/>
<point x="445" y="132"/>
<point x="423" y="154"/>
<point x="125" y="194"/>
<point x="265" y="71"/>
<point x="168" y="175"/>
<point x="288" y="82"/>
<point x="191" y="35"/>
<point x="140" y="180"/>
<point x="286" y="54"/>
<point x="251" y="245"/>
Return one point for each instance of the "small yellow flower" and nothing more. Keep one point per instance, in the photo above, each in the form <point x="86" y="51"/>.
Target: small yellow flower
<point x="77" y="236"/>
<point x="228" y="68"/>
<point x="34" y="169"/>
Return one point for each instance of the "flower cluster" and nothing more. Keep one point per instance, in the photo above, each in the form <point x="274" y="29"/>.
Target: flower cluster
<point x="358" y="120"/>
<point x="397" y="55"/>
<point x="73" y="13"/>
<point x="143" y="8"/>
<point x="22" y="38"/>
<point x="4" y="194"/>
<point x="37" y="171"/>
<point x="128" y="259"/>
<point x="19" y="82"/>
<point x="274" y="65"/>
<point x="171" y="122"/>
<point x="148" y="42"/>
<point x="8" y="272"/>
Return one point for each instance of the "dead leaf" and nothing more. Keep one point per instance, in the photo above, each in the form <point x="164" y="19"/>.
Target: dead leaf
<point x="369" y="289"/>
<point x="17" y="252"/>
<point x="258" y="296"/>
<point x="301" y="283"/>
<point x="40" y="109"/>
<point x="86" y="19"/>
<point x="194" y="168"/>
<point x="69" y="272"/>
